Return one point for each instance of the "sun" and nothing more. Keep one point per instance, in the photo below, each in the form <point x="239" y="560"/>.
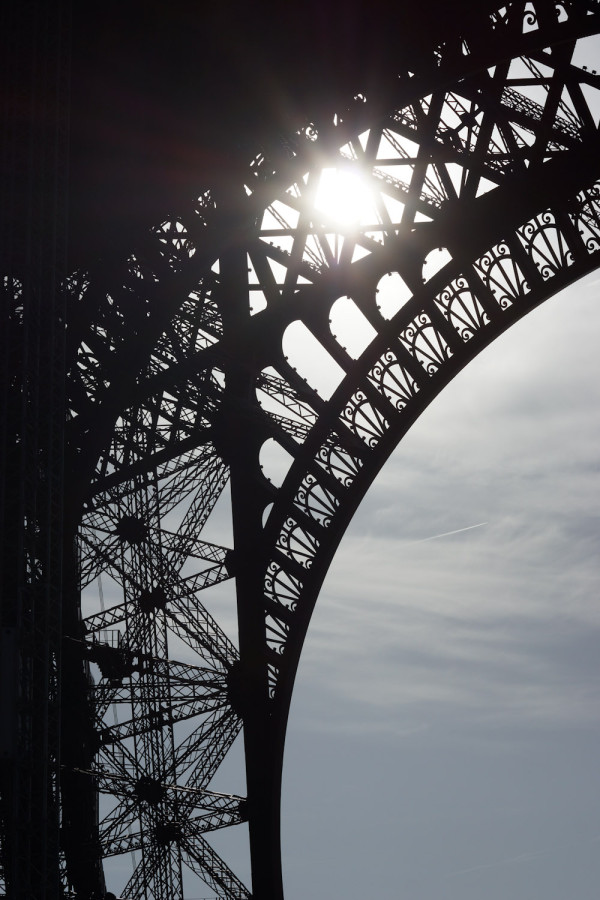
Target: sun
<point x="344" y="197"/>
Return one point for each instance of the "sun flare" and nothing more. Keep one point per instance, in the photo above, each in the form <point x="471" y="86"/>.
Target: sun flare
<point x="344" y="197"/>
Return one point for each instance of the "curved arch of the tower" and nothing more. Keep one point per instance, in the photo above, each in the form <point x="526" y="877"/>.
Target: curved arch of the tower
<point x="263" y="348"/>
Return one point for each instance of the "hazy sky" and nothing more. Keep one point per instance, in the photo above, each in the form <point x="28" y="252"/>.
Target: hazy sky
<point x="444" y="734"/>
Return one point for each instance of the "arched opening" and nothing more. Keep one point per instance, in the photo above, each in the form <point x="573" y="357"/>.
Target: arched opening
<point x="446" y="689"/>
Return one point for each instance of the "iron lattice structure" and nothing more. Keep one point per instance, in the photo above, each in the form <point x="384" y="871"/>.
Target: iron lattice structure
<point x="258" y="349"/>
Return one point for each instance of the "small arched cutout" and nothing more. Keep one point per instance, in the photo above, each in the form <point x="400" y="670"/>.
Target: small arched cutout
<point x="311" y="360"/>
<point x="350" y="327"/>
<point x="275" y="462"/>
<point x="392" y="294"/>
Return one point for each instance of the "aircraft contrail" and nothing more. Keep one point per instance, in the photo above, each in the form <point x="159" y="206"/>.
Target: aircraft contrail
<point x="448" y="533"/>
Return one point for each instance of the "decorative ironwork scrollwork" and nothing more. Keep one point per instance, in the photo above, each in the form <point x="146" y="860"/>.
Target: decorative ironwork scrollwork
<point x="425" y="343"/>
<point x="160" y="466"/>
<point x="316" y="500"/>
<point x="338" y="461"/>
<point x="545" y="244"/>
<point x="393" y="380"/>
<point x="587" y="218"/>
<point x="277" y="632"/>
<point x="281" y="586"/>
<point x="364" y="419"/>
<point x="502" y="275"/>
<point x="530" y="19"/>
<point x="462" y="308"/>
<point x="297" y="543"/>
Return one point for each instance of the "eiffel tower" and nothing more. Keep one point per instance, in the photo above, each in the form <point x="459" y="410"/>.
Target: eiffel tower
<point x="234" y="343"/>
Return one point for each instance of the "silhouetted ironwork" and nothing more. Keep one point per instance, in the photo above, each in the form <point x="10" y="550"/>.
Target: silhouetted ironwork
<point x="256" y="357"/>
<point x="32" y="422"/>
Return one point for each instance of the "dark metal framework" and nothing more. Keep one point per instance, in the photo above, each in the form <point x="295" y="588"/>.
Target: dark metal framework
<point x="258" y="339"/>
<point x="33" y="177"/>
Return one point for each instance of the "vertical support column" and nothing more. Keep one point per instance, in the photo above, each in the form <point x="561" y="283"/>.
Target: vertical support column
<point x="239" y="438"/>
<point x="34" y="172"/>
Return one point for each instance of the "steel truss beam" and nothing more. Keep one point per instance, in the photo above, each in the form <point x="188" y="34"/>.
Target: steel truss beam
<point x="190" y="403"/>
<point x="492" y="159"/>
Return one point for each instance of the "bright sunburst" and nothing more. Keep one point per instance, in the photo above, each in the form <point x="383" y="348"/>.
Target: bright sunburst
<point x="342" y="195"/>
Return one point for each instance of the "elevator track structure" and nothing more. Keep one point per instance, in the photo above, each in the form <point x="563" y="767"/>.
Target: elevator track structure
<point x="246" y="371"/>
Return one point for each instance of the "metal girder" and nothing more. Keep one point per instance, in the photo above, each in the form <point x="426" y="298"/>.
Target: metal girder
<point x="481" y="180"/>
<point x="236" y="383"/>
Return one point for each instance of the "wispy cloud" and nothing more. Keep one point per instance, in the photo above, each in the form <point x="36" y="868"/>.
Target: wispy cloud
<point x="448" y="533"/>
<point x="497" y="625"/>
<point x="510" y="861"/>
